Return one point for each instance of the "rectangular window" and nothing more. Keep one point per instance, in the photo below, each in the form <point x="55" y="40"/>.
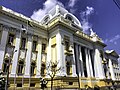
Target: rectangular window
<point x="66" y="45"/>
<point x="34" y="45"/>
<point x="19" y="84"/>
<point x="23" y="43"/>
<point x="5" y="66"/>
<point x="69" y="68"/>
<point x="43" y="47"/>
<point x="42" y="69"/>
<point x="32" y="84"/>
<point x="20" y="68"/>
<point x="32" y="69"/>
<point x="10" y="39"/>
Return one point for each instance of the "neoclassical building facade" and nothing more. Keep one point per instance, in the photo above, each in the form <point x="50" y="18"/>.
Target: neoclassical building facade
<point x="27" y="46"/>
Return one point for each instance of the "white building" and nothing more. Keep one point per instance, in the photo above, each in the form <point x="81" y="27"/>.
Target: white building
<point x="58" y="37"/>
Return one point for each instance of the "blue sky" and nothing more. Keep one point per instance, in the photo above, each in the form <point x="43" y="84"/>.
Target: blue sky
<point x="103" y="16"/>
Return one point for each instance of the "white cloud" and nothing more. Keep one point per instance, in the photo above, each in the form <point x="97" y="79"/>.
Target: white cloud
<point x="47" y="5"/>
<point x="86" y="26"/>
<point x="89" y="10"/>
<point x="113" y="39"/>
<point x="71" y="3"/>
<point x="85" y="19"/>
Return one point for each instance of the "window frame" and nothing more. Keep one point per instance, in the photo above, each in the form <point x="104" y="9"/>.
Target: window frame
<point x="19" y="68"/>
<point x="11" y="39"/>
<point x="23" y="43"/>
<point x="32" y="68"/>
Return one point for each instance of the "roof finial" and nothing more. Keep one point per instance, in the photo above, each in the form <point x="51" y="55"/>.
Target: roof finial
<point x="57" y="9"/>
<point x="92" y="33"/>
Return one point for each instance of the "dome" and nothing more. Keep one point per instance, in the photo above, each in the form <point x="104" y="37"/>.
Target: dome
<point x="59" y="10"/>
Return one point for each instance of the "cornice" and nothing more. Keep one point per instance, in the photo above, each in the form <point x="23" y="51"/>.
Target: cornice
<point x="20" y="17"/>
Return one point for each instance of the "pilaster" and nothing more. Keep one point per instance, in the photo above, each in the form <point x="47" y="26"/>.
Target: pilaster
<point x="111" y="70"/>
<point x="98" y="64"/>
<point x="28" y="56"/>
<point x="73" y="57"/>
<point x="3" y="45"/>
<point x="15" y="54"/>
<point x="39" y="48"/>
<point x="60" y="54"/>
<point x="48" y="56"/>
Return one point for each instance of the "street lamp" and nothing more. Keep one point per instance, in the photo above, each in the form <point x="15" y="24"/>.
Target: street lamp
<point x="8" y="65"/>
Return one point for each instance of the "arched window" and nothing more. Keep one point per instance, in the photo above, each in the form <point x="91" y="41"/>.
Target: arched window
<point x="68" y="17"/>
<point x="5" y="66"/>
<point x="42" y="69"/>
<point x="46" y="19"/>
<point x="20" y="67"/>
<point x="32" y="69"/>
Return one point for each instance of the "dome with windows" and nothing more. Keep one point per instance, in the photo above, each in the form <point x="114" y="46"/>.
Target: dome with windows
<point x="59" y="10"/>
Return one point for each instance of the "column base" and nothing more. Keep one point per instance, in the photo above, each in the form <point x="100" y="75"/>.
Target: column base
<point x="75" y="75"/>
<point x="26" y="76"/>
<point x="38" y="76"/>
<point x="13" y="75"/>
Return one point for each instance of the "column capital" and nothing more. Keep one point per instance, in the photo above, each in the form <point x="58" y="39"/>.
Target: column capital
<point x="5" y="28"/>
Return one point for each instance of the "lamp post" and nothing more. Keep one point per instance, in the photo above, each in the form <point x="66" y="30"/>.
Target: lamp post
<point x="8" y="65"/>
<point x="2" y="81"/>
<point x="43" y="83"/>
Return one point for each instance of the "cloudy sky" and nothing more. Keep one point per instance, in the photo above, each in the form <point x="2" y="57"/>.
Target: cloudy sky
<point x="103" y="16"/>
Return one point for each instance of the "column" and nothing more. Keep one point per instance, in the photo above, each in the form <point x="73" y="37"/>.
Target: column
<point x="90" y="63"/>
<point x="77" y="59"/>
<point x="38" y="63"/>
<point x="73" y="58"/>
<point x="81" y="65"/>
<point x="3" y="45"/>
<point x="98" y="65"/>
<point x="15" y="54"/>
<point x="28" y="56"/>
<point x="111" y="70"/>
<point x="60" y="54"/>
<point x="87" y="63"/>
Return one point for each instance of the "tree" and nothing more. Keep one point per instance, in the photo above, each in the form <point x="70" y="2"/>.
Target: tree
<point x="53" y="69"/>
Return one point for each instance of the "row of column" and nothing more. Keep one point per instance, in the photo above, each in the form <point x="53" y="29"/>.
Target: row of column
<point x="93" y="62"/>
<point x="79" y="61"/>
<point x="16" y="54"/>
